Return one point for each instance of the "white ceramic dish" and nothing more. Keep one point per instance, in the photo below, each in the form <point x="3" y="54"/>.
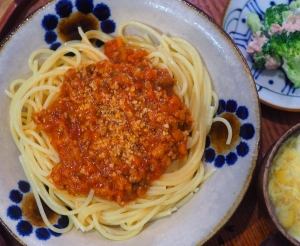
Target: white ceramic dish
<point x="273" y="87"/>
<point x="217" y="198"/>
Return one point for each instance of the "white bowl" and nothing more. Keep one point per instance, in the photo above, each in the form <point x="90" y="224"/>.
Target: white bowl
<point x="218" y="197"/>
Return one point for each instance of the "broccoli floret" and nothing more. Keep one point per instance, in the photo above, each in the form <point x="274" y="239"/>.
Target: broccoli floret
<point x="253" y="22"/>
<point x="259" y="60"/>
<point x="291" y="68"/>
<point x="286" y="14"/>
<point x="286" y="45"/>
<point x="295" y="5"/>
<point x="274" y="15"/>
<point x="276" y="44"/>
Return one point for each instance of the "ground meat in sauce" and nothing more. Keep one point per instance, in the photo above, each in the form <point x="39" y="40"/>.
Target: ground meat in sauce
<point x="116" y="126"/>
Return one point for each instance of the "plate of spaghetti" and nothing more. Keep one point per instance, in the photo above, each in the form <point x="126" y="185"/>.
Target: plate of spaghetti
<point x="123" y="123"/>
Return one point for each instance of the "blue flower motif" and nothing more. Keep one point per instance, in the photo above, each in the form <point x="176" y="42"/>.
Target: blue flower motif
<point x="16" y="196"/>
<point x="42" y="233"/>
<point x="49" y="22"/>
<point x="64" y="8"/>
<point x="216" y="151"/>
<point x="14" y="212"/>
<point x="66" y="20"/>
<point x="24" y="227"/>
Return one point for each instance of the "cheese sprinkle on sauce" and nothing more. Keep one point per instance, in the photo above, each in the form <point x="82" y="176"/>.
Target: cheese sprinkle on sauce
<point x="116" y="125"/>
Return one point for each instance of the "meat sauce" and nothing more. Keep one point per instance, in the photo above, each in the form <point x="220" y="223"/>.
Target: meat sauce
<point x="116" y="125"/>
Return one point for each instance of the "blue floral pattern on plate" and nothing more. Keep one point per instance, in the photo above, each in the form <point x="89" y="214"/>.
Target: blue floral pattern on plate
<point x="243" y="131"/>
<point x="27" y="223"/>
<point x="68" y="16"/>
<point x="274" y="88"/>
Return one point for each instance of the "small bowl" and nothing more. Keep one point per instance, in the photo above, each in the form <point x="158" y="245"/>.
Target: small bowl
<point x="266" y="206"/>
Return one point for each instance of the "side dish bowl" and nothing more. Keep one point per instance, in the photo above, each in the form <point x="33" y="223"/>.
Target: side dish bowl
<point x="268" y="207"/>
<point x="219" y="196"/>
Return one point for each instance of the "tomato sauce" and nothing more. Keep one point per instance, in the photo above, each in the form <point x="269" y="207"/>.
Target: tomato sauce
<point x="116" y="125"/>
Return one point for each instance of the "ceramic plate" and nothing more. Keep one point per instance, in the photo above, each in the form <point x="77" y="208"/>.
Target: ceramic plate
<point x="217" y="198"/>
<point x="273" y="86"/>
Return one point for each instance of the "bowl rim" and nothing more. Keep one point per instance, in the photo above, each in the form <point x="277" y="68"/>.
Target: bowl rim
<point x="266" y="170"/>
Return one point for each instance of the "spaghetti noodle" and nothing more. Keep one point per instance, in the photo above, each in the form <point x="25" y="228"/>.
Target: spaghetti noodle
<point x="38" y="157"/>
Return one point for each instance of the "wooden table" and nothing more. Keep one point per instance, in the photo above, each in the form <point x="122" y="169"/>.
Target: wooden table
<point x="247" y="226"/>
